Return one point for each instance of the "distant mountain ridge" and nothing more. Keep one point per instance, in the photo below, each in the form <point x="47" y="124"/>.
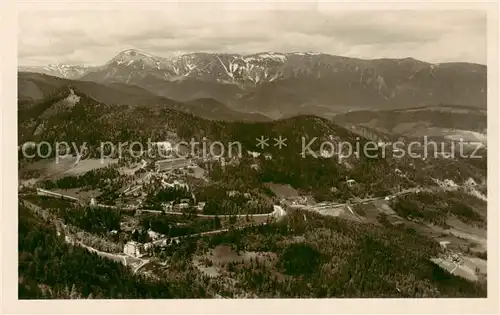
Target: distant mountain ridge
<point x="34" y="88"/>
<point x="434" y="122"/>
<point x="280" y="84"/>
<point x="59" y="70"/>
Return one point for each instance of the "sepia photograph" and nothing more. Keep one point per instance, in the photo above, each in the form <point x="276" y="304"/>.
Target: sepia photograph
<point x="223" y="151"/>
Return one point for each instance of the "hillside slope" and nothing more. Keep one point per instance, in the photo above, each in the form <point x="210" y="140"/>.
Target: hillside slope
<point x="438" y="122"/>
<point x="73" y="116"/>
<point x="35" y="87"/>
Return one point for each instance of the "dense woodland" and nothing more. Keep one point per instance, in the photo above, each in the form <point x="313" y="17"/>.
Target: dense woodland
<point x="100" y="178"/>
<point x="237" y="204"/>
<point x="337" y="258"/>
<point x="174" y="226"/>
<point x="96" y="220"/>
<point x="157" y="196"/>
<point x="324" y="177"/>
<point x="317" y="257"/>
<point x="438" y="207"/>
<point x="50" y="268"/>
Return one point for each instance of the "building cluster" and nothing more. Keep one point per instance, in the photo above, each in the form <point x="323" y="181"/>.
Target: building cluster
<point x="135" y="191"/>
<point x="234" y="193"/>
<point x="183" y="204"/>
<point x="300" y="200"/>
<point x="174" y="184"/>
<point x="171" y="164"/>
<point x="134" y="249"/>
<point x="449" y="254"/>
<point x="138" y="250"/>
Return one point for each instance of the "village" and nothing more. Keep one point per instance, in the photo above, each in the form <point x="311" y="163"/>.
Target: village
<point x="172" y="174"/>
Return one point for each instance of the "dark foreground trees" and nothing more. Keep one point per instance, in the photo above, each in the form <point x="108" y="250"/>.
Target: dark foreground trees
<point x="50" y="268"/>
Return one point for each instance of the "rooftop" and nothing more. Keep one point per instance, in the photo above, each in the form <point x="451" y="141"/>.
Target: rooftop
<point x="134" y="243"/>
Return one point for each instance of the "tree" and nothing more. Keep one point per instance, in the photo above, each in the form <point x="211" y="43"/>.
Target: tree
<point x="74" y="293"/>
<point x="232" y="219"/>
<point x="217" y="223"/>
<point x="298" y="259"/>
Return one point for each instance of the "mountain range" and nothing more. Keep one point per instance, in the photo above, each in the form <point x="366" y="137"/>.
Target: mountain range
<point x="283" y="84"/>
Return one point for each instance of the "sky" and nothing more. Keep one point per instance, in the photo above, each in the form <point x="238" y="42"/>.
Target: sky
<point x="93" y="37"/>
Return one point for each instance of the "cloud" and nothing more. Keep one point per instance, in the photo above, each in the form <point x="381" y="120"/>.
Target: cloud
<point x="94" y="37"/>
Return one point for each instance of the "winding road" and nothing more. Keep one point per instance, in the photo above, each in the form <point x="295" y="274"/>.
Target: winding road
<point x="278" y="213"/>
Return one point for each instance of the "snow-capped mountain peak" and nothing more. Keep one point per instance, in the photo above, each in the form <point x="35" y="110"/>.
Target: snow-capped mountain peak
<point x="134" y="56"/>
<point x="60" y="70"/>
<point x="132" y="64"/>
